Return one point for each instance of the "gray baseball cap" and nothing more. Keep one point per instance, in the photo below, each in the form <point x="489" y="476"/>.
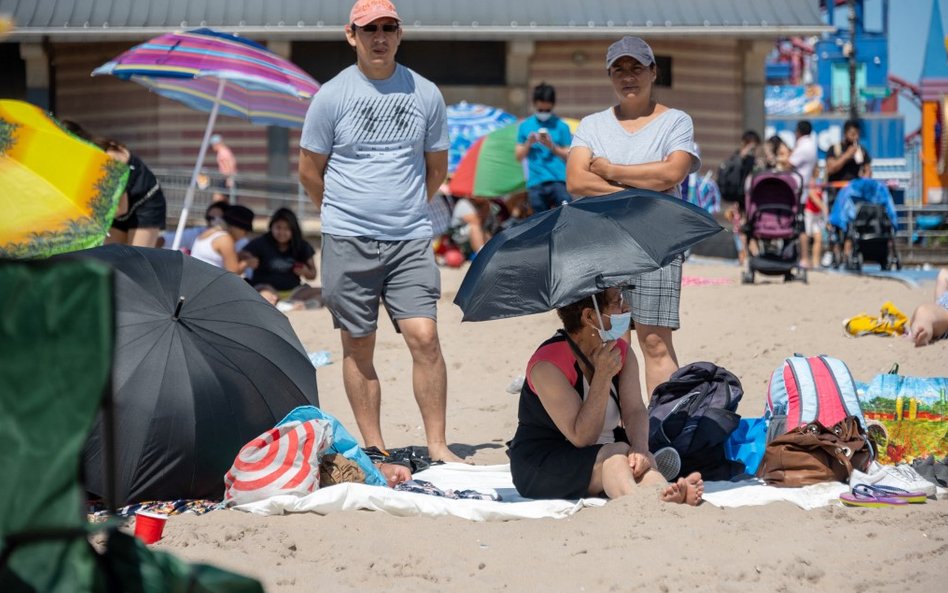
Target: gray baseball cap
<point x="634" y="47"/>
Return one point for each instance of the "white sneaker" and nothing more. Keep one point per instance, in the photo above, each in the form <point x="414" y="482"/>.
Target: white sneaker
<point x="901" y="476"/>
<point x="668" y="462"/>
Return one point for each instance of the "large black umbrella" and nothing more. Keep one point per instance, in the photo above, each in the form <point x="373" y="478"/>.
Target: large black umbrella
<point x="203" y="364"/>
<point x="562" y="255"/>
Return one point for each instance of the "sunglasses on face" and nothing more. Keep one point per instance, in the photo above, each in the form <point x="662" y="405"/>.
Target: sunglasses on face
<point x="374" y="28"/>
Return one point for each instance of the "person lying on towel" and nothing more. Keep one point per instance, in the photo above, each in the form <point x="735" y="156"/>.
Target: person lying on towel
<point x="581" y="386"/>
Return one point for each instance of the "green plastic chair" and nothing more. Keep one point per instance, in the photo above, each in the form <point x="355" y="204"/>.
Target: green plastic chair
<point x="56" y="344"/>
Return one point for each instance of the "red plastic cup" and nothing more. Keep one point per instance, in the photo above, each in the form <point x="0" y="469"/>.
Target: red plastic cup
<point x="148" y="526"/>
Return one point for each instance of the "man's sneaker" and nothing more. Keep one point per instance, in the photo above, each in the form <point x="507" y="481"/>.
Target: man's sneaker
<point x="668" y="462"/>
<point x="901" y="476"/>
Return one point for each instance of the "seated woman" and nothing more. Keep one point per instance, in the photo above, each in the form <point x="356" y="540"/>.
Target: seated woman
<point x="216" y="244"/>
<point x="280" y="259"/>
<point x="930" y="320"/>
<point x="580" y="386"/>
<point x="473" y="222"/>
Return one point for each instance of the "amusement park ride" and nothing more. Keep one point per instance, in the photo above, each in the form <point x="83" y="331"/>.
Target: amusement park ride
<point x="845" y="75"/>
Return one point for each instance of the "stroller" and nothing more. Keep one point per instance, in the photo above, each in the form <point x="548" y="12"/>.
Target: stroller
<point x="773" y="226"/>
<point x="864" y="213"/>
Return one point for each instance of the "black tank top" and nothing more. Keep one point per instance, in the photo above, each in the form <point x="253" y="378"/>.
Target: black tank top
<point x="534" y="421"/>
<point x="141" y="181"/>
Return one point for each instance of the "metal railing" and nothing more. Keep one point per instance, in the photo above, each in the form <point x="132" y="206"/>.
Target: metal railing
<point x="260" y="193"/>
<point x="923" y="234"/>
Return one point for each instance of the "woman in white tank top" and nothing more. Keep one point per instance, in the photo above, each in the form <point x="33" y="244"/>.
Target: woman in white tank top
<point x="216" y="244"/>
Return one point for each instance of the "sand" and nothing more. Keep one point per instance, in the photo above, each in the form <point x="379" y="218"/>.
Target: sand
<point x="633" y="544"/>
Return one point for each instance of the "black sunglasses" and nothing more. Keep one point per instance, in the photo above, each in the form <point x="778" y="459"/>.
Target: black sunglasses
<point x="373" y="28"/>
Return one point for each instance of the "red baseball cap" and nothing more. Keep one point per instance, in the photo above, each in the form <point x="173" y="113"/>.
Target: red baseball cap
<point x="365" y="11"/>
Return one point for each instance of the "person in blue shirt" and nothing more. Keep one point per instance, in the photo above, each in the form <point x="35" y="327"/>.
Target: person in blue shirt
<point x="543" y="139"/>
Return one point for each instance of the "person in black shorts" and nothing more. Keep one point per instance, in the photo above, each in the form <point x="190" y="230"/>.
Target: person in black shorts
<point x="142" y="210"/>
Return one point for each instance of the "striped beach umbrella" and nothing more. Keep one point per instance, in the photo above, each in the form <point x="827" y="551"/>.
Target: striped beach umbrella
<point x="490" y="169"/>
<point x="469" y="121"/>
<point x="219" y="73"/>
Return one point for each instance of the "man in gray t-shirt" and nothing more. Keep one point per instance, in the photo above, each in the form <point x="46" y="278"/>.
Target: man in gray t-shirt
<point x="374" y="149"/>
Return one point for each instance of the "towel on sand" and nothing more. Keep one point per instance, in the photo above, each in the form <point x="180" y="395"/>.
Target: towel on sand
<point x="496" y="479"/>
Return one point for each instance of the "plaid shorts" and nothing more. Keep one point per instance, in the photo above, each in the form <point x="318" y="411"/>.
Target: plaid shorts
<point x="655" y="298"/>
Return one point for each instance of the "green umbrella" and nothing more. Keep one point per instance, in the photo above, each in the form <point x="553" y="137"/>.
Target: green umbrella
<point x="489" y="168"/>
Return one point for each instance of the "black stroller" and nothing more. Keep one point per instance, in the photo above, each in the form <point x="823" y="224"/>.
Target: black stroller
<point x="864" y="211"/>
<point x="773" y="226"/>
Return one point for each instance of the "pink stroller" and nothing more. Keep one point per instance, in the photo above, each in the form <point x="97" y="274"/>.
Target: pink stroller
<point x="774" y="223"/>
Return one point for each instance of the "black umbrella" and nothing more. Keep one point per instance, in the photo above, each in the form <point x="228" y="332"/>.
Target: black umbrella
<point x="562" y="255"/>
<point x="203" y="364"/>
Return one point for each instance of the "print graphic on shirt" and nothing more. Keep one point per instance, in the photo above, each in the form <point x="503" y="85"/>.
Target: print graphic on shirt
<point x="384" y="124"/>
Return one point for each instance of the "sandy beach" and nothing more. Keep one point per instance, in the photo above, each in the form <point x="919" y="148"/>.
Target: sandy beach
<point x="633" y="544"/>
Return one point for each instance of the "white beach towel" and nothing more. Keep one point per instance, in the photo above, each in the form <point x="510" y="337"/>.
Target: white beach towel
<point x="450" y="476"/>
<point x="496" y="479"/>
<point x="756" y="492"/>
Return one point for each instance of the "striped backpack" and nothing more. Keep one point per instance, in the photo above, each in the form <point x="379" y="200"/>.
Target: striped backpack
<point x="810" y="388"/>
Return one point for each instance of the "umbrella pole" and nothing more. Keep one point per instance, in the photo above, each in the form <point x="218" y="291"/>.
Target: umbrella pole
<point x="189" y="195"/>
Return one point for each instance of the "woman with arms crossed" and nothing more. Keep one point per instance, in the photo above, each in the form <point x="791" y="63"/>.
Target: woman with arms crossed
<point x="638" y="143"/>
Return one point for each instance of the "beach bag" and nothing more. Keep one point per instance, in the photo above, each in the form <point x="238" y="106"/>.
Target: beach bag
<point x="695" y="412"/>
<point x="807" y="389"/>
<point x="907" y="417"/>
<point x="814" y="453"/>
<point x="730" y="182"/>
<point x="747" y="443"/>
<point x="283" y="460"/>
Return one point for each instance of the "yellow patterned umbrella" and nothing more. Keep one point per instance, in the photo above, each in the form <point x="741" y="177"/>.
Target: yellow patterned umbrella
<point x="58" y="193"/>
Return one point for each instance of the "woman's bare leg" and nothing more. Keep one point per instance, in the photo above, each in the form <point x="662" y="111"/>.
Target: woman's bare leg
<point x="116" y="236"/>
<point x="611" y="473"/>
<point x="147" y="237"/>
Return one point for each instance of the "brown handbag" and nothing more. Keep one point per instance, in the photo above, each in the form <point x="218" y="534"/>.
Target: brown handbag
<point x="814" y="453"/>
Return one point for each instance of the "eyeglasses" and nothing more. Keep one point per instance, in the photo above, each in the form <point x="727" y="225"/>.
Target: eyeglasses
<point x="389" y="28"/>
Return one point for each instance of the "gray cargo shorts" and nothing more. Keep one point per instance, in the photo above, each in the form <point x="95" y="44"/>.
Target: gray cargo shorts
<point x="360" y="272"/>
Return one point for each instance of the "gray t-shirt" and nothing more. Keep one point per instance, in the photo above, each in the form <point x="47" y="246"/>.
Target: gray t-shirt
<point x="602" y="134"/>
<point x="376" y="133"/>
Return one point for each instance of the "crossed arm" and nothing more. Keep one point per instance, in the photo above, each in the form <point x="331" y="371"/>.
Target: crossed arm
<point x="589" y="176"/>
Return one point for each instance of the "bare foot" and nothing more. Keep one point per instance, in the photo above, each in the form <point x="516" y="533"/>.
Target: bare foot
<point x="694" y="488"/>
<point x="673" y="492"/>
<point x="687" y="490"/>
<point x="442" y="453"/>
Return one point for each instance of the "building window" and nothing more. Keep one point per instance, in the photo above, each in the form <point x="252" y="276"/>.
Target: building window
<point x="664" y="64"/>
<point x="13" y="81"/>
<point x="473" y="63"/>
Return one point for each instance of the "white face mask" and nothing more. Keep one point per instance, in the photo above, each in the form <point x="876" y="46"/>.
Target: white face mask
<point x="543" y="115"/>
